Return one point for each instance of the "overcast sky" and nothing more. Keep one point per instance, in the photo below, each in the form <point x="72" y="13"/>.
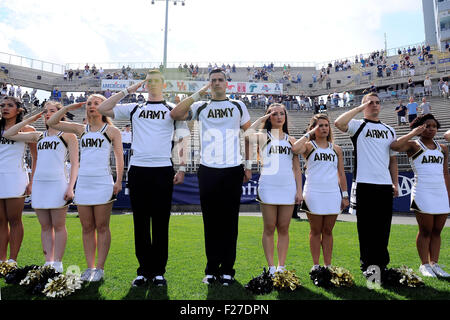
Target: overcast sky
<point x="206" y="30"/>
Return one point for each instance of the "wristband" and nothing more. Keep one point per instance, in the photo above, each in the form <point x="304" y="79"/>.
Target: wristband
<point x="306" y="136"/>
<point x="182" y="168"/>
<point x="125" y="92"/>
<point x="248" y="165"/>
<point x="196" y="96"/>
<point x="344" y="194"/>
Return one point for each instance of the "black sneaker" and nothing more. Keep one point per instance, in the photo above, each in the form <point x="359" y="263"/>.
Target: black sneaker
<point x="226" y="280"/>
<point x="140" y="281"/>
<point x="159" y="281"/>
<point x="209" y="279"/>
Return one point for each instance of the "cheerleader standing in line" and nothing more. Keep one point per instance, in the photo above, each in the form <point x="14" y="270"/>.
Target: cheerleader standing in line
<point x="95" y="190"/>
<point x="52" y="192"/>
<point x="325" y="178"/>
<point x="280" y="182"/>
<point x="430" y="194"/>
<point x="15" y="184"/>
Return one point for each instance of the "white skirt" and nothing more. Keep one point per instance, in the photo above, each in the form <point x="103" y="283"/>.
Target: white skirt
<point x="276" y="194"/>
<point x="13" y="185"/>
<point x="430" y="201"/>
<point x="322" y="203"/>
<point x="49" y="194"/>
<point x="92" y="191"/>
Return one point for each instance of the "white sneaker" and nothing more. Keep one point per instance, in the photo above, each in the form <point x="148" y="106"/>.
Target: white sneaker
<point x="12" y="261"/>
<point x="281" y="269"/>
<point x="86" y="274"/>
<point x="315" y="267"/>
<point x="96" y="275"/>
<point x="438" y="271"/>
<point x="272" y="270"/>
<point x="427" y="271"/>
<point x="58" y="266"/>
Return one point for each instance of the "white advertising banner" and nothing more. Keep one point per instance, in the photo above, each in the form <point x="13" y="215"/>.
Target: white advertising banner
<point x="181" y="86"/>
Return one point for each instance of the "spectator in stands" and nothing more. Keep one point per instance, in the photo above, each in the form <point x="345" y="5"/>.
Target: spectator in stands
<point x="427" y="86"/>
<point x="71" y="99"/>
<point x="410" y="86"/>
<point x="70" y="75"/>
<point x="401" y="113"/>
<point x="19" y="92"/>
<point x="445" y="90"/>
<point x="56" y="95"/>
<point x="66" y="75"/>
<point x="12" y="90"/>
<point x="425" y="106"/>
<point x="26" y="98"/>
<point x="412" y="109"/>
<point x="328" y="82"/>
<point x="336" y="99"/>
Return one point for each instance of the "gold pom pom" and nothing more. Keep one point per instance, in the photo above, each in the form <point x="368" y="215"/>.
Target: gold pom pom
<point x="286" y="280"/>
<point x="6" y="267"/>
<point x="341" y="277"/>
<point x="62" y="285"/>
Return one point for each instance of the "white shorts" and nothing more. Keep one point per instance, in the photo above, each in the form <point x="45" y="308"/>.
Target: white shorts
<point x="430" y="201"/>
<point x="322" y="203"/>
<point x="92" y="191"/>
<point x="276" y="194"/>
<point x="49" y="194"/>
<point x="13" y="185"/>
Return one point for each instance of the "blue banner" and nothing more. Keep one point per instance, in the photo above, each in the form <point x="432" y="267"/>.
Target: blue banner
<point x="187" y="193"/>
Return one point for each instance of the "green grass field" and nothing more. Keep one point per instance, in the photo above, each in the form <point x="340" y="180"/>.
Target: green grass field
<point x="187" y="262"/>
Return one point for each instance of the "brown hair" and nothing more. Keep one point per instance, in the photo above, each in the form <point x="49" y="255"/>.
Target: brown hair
<point x="268" y="124"/>
<point x="314" y="120"/>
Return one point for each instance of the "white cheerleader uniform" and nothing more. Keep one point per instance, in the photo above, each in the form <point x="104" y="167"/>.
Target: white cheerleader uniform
<point x="429" y="192"/>
<point x="277" y="185"/>
<point x="321" y="192"/>
<point x="50" y="179"/>
<point x="13" y="170"/>
<point x="95" y="182"/>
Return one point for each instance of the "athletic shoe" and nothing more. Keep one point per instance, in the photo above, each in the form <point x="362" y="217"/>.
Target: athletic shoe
<point x="314" y="267"/>
<point x="272" y="270"/>
<point x="140" y="281"/>
<point x="427" y="271"/>
<point x="159" y="281"/>
<point x="438" y="271"/>
<point x="12" y="261"/>
<point x="226" y="280"/>
<point x="281" y="269"/>
<point x="87" y="274"/>
<point x="209" y="279"/>
<point x="96" y="275"/>
<point x="58" y="266"/>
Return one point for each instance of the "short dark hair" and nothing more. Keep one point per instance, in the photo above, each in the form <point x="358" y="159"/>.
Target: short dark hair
<point x="218" y="70"/>
<point x="420" y="120"/>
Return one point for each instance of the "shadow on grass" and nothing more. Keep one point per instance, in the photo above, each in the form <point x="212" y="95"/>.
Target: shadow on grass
<point x="235" y="291"/>
<point x="149" y="292"/>
<point x="89" y="291"/>
<point x="420" y="293"/>
<point x="300" y="293"/>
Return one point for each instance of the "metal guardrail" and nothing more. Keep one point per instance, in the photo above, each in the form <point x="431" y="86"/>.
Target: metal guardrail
<point x="31" y="63"/>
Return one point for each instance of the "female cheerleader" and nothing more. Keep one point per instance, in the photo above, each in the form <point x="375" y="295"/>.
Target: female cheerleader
<point x="431" y="190"/>
<point x="325" y="178"/>
<point x="14" y="182"/>
<point x="95" y="190"/>
<point x="52" y="192"/>
<point x="280" y="182"/>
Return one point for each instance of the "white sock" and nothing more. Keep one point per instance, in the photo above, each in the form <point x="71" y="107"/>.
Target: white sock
<point x="272" y="269"/>
<point x="281" y="269"/>
<point x="11" y="261"/>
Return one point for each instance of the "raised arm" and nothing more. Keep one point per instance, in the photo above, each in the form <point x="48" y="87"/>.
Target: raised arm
<point x="14" y="133"/>
<point x="107" y="106"/>
<point x="402" y="144"/>
<point x="65" y="126"/>
<point x="342" y="121"/>
<point x="181" y="111"/>
<point x="447" y="135"/>
<point x="299" y="146"/>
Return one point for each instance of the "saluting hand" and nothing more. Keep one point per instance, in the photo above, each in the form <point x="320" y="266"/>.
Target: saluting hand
<point x="135" y="87"/>
<point x="418" y="131"/>
<point x="35" y="117"/>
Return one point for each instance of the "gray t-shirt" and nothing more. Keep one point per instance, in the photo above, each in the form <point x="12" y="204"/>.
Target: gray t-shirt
<point x="425" y="107"/>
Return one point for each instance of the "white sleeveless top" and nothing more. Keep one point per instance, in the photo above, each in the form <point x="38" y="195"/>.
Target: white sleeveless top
<point x="322" y="169"/>
<point x="428" y="169"/>
<point x="277" y="156"/>
<point x="12" y="155"/>
<point x="52" y="157"/>
<point x="95" y="153"/>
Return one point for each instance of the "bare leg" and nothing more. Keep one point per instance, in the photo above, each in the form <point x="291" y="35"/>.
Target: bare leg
<point x="327" y="238"/>
<point x="14" y="208"/>
<point x="4" y="231"/>
<point x="435" y="243"/>
<point x="269" y="213"/>
<point x="87" y="220"/>
<point x="47" y="235"/>
<point x="423" y="239"/>
<point x="102" y="217"/>
<point x="315" y="236"/>
<point x="60" y="232"/>
<point x="283" y="220"/>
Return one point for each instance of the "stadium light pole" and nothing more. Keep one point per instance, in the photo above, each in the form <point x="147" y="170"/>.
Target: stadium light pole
<point x="166" y="26"/>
